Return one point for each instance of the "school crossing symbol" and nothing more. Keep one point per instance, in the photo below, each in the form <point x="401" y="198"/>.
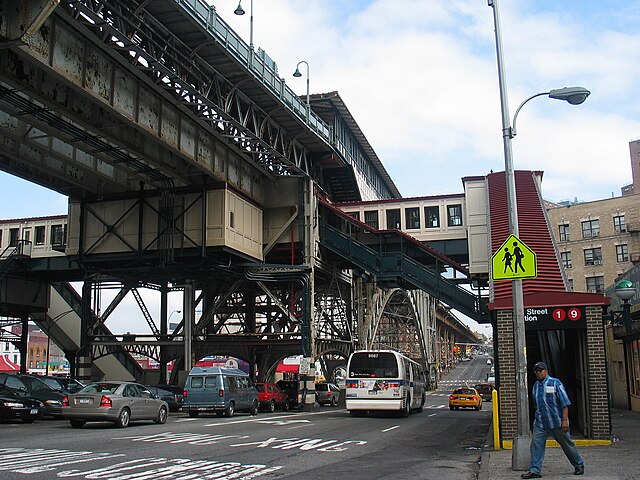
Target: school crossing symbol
<point x="513" y="261"/>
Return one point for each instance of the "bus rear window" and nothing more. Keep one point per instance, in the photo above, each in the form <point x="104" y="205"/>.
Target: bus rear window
<point x="373" y="365"/>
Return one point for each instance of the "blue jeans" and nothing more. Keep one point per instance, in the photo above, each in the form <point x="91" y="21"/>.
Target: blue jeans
<point x="538" y="441"/>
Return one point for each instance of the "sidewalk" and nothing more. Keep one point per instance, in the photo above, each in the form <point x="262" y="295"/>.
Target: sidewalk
<point x="618" y="461"/>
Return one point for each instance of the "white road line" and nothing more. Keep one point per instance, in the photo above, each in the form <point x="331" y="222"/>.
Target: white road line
<point x="258" y="418"/>
<point x="433" y="414"/>
<point x="178" y="420"/>
<point x="391" y="428"/>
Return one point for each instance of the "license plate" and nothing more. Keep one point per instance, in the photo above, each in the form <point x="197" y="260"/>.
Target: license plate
<point x="34" y="411"/>
<point x="372" y="392"/>
<point x="84" y="400"/>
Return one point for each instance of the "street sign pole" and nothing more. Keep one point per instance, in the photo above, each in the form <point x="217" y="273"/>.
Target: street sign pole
<point x="520" y="455"/>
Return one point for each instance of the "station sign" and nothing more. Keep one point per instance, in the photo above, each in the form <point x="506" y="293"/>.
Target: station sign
<point x="514" y="260"/>
<point x="554" y="318"/>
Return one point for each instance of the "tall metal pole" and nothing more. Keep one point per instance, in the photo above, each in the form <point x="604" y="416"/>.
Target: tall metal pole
<point x="520" y="455"/>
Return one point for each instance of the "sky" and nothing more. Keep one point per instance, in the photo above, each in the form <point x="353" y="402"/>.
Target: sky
<point x="420" y="78"/>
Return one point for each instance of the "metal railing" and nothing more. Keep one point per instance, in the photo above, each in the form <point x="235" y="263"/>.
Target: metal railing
<point x="258" y="63"/>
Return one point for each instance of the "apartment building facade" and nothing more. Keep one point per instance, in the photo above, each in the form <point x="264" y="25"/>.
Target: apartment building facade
<point x="597" y="241"/>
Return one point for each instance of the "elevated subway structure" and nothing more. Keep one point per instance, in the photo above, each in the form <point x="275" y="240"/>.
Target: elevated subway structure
<point x="189" y="166"/>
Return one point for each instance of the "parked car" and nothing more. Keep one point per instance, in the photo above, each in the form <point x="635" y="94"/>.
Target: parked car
<point x="465" y="397"/>
<point x="32" y="386"/>
<point x="491" y="379"/>
<point x="65" y="385"/>
<point x="327" y="394"/>
<point x="220" y="390"/>
<point x="173" y="399"/>
<point x="484" y="389"/>
<point x="290" y="387"/>
<point x="114" y="401"/>
<point x="465" y="359"/>
<point x="16" y="406"/>
<point x="271" y="397"/>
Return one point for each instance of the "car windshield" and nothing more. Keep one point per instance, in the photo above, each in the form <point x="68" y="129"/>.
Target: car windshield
<point x="322" y="387"/>
<point x="100" y="388"/>
<point x="53" y="383"/>
<point x="260" y="387"/>
<point x="35" y="384"/>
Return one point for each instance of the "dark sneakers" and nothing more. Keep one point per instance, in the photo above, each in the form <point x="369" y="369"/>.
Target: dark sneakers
<point x="535" y="475"/>
<point x="579" y="470"/>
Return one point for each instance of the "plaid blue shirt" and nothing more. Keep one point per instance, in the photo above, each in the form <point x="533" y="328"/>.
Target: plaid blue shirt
<point x="550" y="398"/>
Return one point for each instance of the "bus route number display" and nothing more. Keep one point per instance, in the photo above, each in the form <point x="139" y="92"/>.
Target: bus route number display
<point x="554" y="318"/>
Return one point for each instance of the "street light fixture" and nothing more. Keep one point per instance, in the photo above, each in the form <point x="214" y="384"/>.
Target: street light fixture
<point x="520" y="453"/>
<point x="240" y="11"/>
<point x="175" y="311"/>
<point x="297" y="74"/>
<point x="572" y="95"/>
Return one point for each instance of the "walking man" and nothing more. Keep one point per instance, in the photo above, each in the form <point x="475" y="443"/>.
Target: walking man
<point x="551" y="418"/>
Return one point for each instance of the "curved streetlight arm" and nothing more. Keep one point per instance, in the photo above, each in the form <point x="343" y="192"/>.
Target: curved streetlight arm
<point x="298" y="74"/>
<point x="512" y="130"/>
<point x="572" y="95"/>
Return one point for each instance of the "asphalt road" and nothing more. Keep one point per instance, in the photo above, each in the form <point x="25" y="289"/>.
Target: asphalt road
<point x="324" y="444"/>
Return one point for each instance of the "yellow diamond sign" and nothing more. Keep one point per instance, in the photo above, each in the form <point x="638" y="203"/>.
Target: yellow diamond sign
<point x="513" y="261"/>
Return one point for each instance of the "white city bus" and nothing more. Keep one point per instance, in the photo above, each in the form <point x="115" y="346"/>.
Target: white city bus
<point x="384" y="380"/>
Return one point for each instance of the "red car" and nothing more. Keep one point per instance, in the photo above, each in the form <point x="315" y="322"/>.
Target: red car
<point x="270" y="396"/>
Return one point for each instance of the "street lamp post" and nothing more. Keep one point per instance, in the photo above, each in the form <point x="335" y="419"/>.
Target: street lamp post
<point x="175" y="311"/>
<point x="297" y="74"/>
<point x="520" y="455"/>
<point x="240" y="11"/>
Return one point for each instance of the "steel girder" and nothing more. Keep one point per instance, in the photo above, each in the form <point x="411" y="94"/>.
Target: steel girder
<point x="154" y="50"/>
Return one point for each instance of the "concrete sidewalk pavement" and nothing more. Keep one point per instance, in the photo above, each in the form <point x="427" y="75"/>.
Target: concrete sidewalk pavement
<point x="618" y="461"/>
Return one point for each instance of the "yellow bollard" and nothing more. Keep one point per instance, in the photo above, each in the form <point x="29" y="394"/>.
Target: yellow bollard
<point x="496" y="420"/>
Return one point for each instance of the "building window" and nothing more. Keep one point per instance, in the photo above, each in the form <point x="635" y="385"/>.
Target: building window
<point x="565" y="258"/>
<point x="564" y="232"/>
<point x="432" y="217"/>
<point x="593" y="256"/>
<point x="57" y="235"/>
<point x="14" y="235"/>
<point x="591" y="228"/>
<point x="619" y="225"/>
<point x="37" y="353"/>
<point x="393" y="219"/>
<point x="622" y="254"/>
<point x="570" y="284"/>
<point x="40" y="235"/>
<point x="454" y="214"/>
<point x="595" y="284"/>
<point x="355" y="215"/>
<point x="371" y="218"/>
<point x="412" y="218"/>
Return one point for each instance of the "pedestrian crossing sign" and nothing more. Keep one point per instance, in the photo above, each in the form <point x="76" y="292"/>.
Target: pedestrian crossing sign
<point x="513" y="261"/>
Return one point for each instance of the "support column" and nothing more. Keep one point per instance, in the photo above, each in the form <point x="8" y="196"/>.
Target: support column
<point x="188" y="317"/>
<point x="24" y="344"/>
<point x="163" y="334"/>
<point x="83" y="360"/>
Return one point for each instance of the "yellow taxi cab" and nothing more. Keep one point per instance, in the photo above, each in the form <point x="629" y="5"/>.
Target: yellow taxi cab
<point x="465" y="397"/>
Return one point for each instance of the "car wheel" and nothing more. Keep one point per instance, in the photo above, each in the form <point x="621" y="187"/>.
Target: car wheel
<point x="285" y="406"/>
<point x="254" y="408"/>
<point x="193" y="413"/>
<point x="450" y="407"/>
<point x="123" y="418"/>
<point x="162" y="416"/>
<point x="77" y="423"/>
<point x="230" y="410"/>
<point x="271" y="406"/>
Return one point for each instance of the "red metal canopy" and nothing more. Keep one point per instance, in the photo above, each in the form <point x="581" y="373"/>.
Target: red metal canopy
<point x="7" y="365"/>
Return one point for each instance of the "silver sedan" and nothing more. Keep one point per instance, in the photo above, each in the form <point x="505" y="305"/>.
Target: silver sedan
<point x="113" y="401"/>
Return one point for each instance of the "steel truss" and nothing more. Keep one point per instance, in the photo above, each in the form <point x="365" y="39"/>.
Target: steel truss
<point x="176" y="68"/>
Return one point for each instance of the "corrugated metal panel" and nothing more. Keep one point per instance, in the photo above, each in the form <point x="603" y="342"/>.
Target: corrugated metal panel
<point x="534" y="231"/>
